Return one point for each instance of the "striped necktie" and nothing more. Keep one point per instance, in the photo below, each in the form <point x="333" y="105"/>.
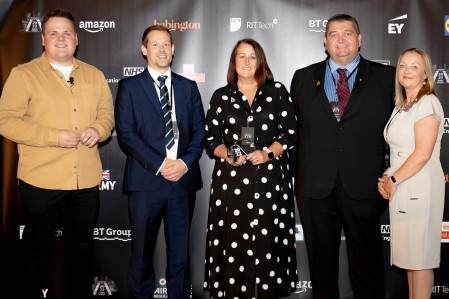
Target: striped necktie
<point x="166" y="111"/>
<point x="342" y="91"/>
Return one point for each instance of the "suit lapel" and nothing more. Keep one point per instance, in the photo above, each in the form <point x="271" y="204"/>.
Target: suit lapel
<point x="179" y="96"/>
<point x="320" y="93"/>
<point x="363" y="74"/>
<point x="149" y="90"/>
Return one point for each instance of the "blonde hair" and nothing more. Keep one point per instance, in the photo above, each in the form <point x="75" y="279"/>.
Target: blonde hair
<point x="429" y="82"/>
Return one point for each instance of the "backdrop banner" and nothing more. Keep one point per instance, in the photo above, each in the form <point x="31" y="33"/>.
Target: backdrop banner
<point x="204" y="32"/>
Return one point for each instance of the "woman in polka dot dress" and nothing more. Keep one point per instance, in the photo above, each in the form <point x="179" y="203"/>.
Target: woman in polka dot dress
<point x="250" y="250"/>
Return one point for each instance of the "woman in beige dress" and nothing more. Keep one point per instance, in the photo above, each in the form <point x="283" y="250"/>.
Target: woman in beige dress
<point x="414" y="184"/>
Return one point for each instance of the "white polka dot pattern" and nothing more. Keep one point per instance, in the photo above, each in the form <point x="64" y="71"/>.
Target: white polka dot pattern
<point x="250" y="230"/>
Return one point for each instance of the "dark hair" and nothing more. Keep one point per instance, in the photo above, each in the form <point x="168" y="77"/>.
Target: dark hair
<point x="341" y="18"/>
<point x="263" y="72"/>
<point x="152" y="28"/>
<point x="58" y="12"/>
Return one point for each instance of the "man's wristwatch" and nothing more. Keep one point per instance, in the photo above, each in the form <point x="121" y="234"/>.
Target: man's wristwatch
<point x="270" y="154"/>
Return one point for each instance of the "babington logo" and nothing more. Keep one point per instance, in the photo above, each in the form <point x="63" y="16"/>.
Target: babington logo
<point x="188" y="71"/>
<point x="32" y="23"/>
<point x="181" y="26"/>
<point x="106" y="183"/>
<point x="96" y="26"/>
<point x="445" y="225"/>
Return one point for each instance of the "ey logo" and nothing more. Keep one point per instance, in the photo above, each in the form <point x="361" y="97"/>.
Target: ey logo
<point x="396" y="28"/>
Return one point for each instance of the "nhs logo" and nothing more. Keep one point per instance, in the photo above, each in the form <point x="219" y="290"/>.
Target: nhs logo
<point x="129" y="71"/>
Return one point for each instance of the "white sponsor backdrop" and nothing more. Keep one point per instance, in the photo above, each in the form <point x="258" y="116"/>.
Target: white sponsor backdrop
<point x="205" y="31"/>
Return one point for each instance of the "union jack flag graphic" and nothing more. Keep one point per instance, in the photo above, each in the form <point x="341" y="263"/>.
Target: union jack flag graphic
<point x="106" y="175"/>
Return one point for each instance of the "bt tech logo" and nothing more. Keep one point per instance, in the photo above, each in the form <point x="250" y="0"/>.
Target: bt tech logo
<point x="440" y="74"/>
<point x="58" y="232"/>
<point x="106" y="183"/>
<point x="440" y="290"/>
<point x="32" y="23"/>
<point x="317" y="25"/>
<point x="446" y="25"/>
<point x="96" y="26"/>
<point x="236" y="24"/>
<point x="396" y="27"/>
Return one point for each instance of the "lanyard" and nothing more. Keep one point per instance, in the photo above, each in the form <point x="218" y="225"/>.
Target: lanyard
<point x="171" y="91"/>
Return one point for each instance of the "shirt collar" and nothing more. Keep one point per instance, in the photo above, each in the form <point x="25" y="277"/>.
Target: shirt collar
<point x="350" y="67"/>
<point x="155" y="74"/>
<point x="47" y="66"/>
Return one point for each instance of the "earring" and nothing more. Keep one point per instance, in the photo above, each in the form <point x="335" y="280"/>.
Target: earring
<point x="424" y="83"/>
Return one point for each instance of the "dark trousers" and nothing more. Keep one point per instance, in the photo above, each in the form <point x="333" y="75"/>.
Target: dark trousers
<point x="146" y="211"/>
<point x="45" y="211"/>
<point x="322" y="221"/>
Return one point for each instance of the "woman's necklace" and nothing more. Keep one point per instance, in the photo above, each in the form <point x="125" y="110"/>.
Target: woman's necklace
<point x="406" y="106"/>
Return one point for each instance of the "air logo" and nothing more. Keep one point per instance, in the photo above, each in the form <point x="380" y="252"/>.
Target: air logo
<point x="396" y="28"/>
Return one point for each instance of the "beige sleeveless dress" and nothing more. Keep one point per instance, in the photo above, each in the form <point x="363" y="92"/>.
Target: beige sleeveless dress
<point x="416" y="210"/>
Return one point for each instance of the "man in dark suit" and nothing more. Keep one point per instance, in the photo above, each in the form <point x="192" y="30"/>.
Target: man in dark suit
<point x="340" y="156"/>
<point x="160" y="127"/>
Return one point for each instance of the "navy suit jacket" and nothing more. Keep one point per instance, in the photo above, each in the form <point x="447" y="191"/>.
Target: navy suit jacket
<point x="141" y="130"/>
<point x="354" y="148"/>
